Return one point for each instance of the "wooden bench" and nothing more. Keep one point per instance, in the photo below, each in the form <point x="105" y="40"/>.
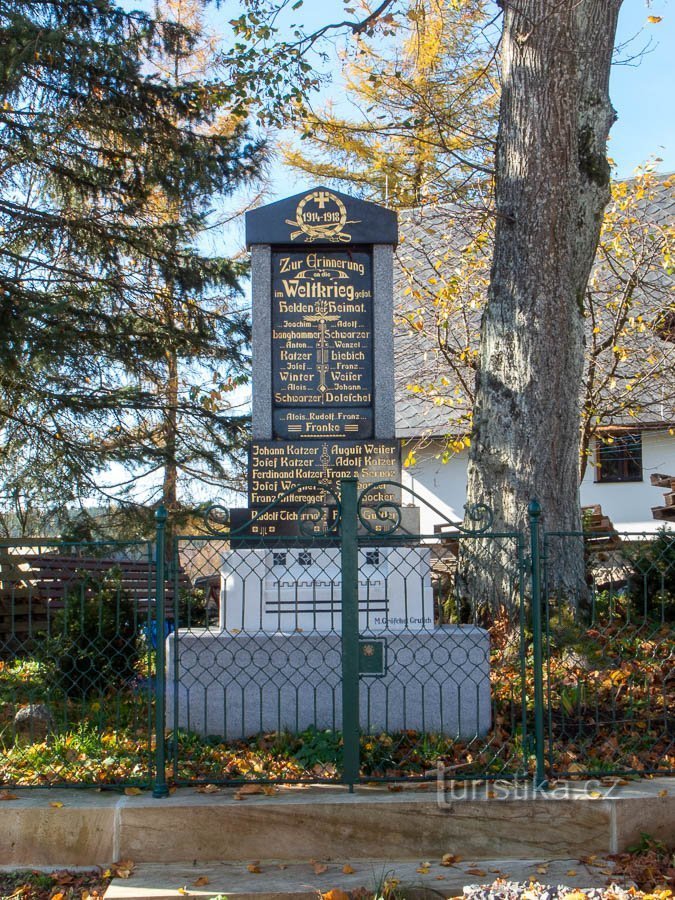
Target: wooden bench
<point x="34" y="586"/>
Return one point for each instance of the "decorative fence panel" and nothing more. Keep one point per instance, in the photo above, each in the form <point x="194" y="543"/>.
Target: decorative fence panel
<point x="351" y="649"/>
<point x="346" y="653"/>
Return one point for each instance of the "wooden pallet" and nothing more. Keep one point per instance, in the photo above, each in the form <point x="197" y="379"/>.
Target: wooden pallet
<point x="603" y="535"/>
<point x="666" y="512"/>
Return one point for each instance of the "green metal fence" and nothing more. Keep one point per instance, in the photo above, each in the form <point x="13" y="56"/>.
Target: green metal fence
<point x="345" y="652"/>
<point x="609" y="660"/>
<point x="76" y="662"/>
<point x="356" y="650"/>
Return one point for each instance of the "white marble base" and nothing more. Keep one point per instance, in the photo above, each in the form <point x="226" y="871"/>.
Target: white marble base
<point x="299" y="589"/>
<point x="238" y="685"/>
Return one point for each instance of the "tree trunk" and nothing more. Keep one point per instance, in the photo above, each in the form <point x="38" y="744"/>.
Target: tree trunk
<point x="552" y="185"/>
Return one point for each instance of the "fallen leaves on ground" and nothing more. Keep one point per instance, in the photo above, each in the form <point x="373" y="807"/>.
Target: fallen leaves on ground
<point x="609" y="686"/>
<point x="247" y="790"/>
<point x="201" y="881"/>
<point x="57" y="885"/>
<point x="122" y="869"/>
<point x="651" y="865"/>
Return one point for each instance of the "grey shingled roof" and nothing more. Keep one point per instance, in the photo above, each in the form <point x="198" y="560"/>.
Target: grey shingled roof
<point x="424" y="234"/>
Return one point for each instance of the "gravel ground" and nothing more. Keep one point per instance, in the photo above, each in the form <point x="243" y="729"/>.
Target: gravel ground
<point x="515" y="890"/>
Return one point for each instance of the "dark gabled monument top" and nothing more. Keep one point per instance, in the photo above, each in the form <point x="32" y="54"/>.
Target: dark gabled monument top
<point x="323" y="347"/>
<point x="323" y="217"/>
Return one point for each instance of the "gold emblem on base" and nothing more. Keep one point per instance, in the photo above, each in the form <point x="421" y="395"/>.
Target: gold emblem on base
<point x="324" y="219"/>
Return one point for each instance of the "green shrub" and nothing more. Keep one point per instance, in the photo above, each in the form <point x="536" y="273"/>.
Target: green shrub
<point x="652" y="583"/>
<point x="93" y="643"/>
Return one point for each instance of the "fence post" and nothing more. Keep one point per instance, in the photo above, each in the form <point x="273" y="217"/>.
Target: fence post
<point x="349" y="558"/>
<point x="160" y="788"/>
<point x="534" y="512"/>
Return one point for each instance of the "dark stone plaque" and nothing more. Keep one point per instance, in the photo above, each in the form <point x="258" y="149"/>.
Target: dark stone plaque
<point x="321" y="216"/>
<point x="322" y="328"/>
<point x="296" y="424"/>
<point x="281" y="522"/>
<point x="276" y="466"/>
<point x="284" y="522"/>
<point x="317" y="332"/>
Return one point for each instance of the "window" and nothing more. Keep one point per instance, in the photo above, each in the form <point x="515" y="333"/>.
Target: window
<point x="619" y="458"/>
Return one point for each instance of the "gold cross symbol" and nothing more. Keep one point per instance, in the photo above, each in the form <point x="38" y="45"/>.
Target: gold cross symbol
<point x="322" y="198"/>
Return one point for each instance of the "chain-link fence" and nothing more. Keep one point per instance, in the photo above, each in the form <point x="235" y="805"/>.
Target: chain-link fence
<point x="257" y="665"/>
<point x="77" y="637"/>
<point x="610" y="657"/>
<point x="361" y="652"/>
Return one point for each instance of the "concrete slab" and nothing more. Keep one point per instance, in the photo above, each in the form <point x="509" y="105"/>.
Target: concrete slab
<point x="359" y="827"/>
<point x="474" y="820"/>
<point x="37" y="831"/>
<point x="646" y="813"/>
<point x="300" y="881"/>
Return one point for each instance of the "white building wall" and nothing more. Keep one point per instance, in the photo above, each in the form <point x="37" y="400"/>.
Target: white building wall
<point x="443" y="485"/>
<point x="628" y="505"/>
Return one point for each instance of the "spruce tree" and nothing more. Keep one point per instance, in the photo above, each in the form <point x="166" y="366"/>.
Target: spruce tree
<point x="89" y="139"/>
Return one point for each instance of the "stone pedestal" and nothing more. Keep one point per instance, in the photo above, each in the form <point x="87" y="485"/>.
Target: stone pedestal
<point x="275" y="664"/>
<point x="237" y="685"/>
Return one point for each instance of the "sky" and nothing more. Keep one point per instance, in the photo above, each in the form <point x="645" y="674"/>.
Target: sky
<point x="643" y="93"/>
<point x="642" y="88"/>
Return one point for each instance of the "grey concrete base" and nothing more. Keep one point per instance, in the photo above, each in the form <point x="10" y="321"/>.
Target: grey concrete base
<point x="238" y="685"/>
<point x="299" y="880"/>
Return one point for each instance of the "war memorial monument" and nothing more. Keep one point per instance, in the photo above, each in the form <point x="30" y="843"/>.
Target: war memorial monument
<point x="323" y="410"/>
